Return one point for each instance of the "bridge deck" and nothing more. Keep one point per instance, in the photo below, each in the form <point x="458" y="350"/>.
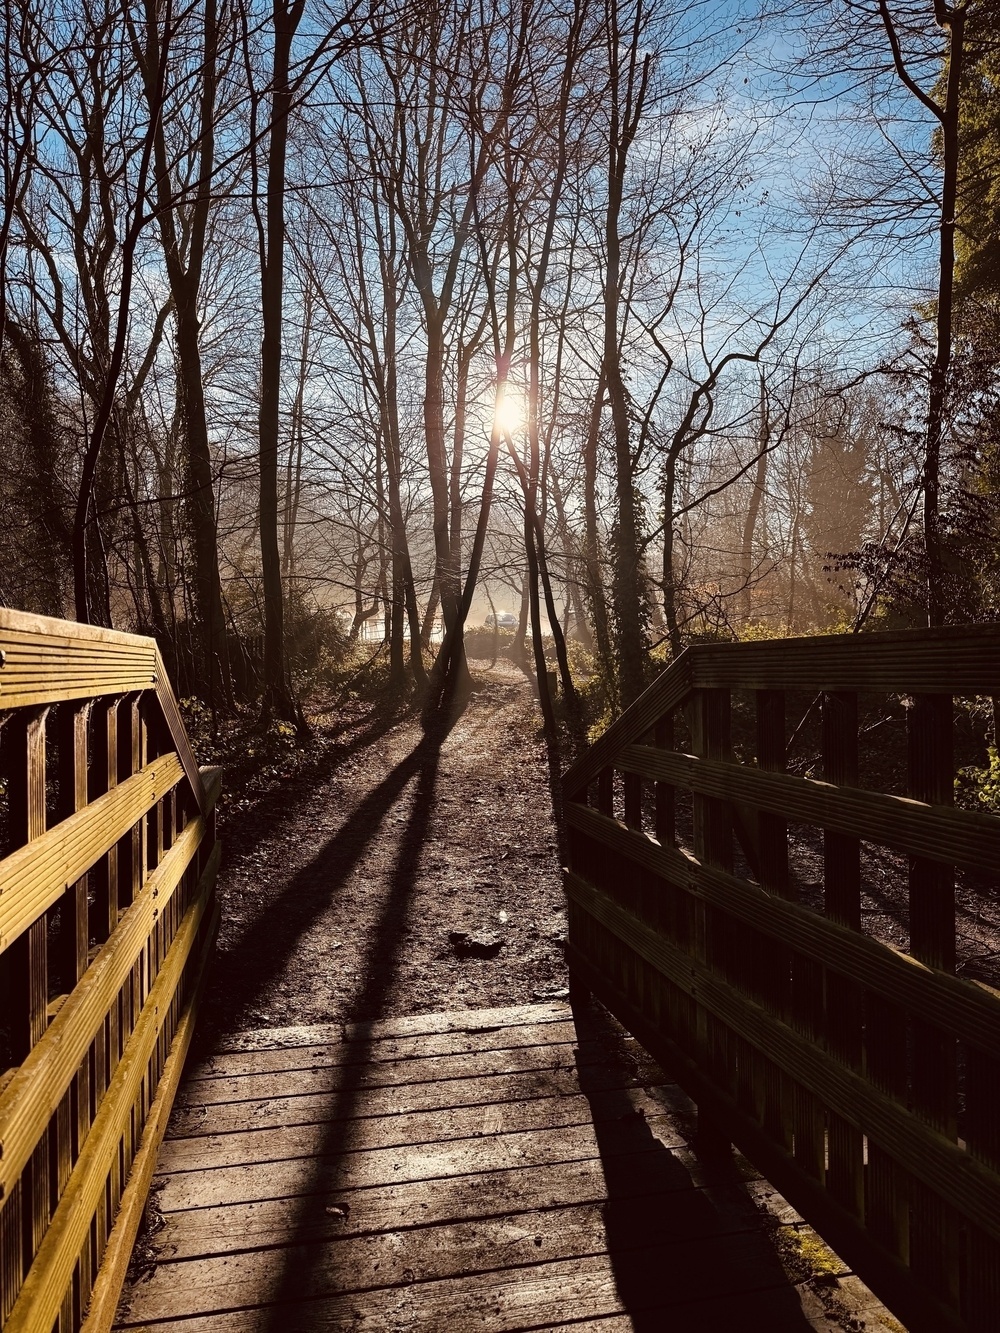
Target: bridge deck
<point x="488" y="1169"/>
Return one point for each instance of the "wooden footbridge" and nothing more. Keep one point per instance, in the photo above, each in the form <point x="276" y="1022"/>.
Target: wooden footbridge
<point x="512" y="1170"/>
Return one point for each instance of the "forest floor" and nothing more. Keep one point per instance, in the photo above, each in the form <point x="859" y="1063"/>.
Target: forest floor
<point x="388" y="869"/>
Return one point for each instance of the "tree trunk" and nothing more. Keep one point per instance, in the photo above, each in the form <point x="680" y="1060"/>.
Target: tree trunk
<point x="277" y="697"/>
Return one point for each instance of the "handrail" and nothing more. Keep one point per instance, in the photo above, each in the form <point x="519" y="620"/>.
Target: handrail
<point x="949" y="660"/>
<point x="128" y="858"/>
<point x="860" y="1077"/>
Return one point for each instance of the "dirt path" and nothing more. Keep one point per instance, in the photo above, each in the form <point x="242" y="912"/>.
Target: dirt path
<point x="416" y="872"/>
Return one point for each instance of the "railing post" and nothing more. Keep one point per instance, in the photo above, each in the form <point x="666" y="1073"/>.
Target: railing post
<point x="842" y="899"/>
<point x="934" y="1242"/>
<point x="713" y="846"/>
<point x="27" y="1213"/>
<point x="774" y="980"/>
<point x="665" y="827"/>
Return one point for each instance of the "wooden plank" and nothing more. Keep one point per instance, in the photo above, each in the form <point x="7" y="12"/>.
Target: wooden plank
<point x="23" y="755"/>
<point x="39" y="1085"/>
<point x="338" y="1050"/>
<point x="709" y="718"/>
<point x="692" y="1202"/>
<point x="171" y="713"/>
<point x="362" y="1133"/>
<point x="102" y="777"/>
<point x="962" y="837"/>
<point x="946" y="661"/>
<point x="51" y="1273"/>
<point x="843" y="1019"/>
<point x="665" y="818"/>
<point x="665" y="694"/>
<point x="74" y="925"/>
<point x="971" y="1009"/>
<point x="35" y="876"/>
<point x="389" y="1073"/>
<point x="192" y="1118"/>
<point x="934" y="1243"/>
<point x="378" y="1166"/>
<point x="773" y="958"/>
<point x="534" y="1296"/>
<point x="952" y="660"/>
<point x="47" y="661"/>
<point x="130" y="759"/>
<point x="966" y="1185"/>
<point x="486" y="1247"/>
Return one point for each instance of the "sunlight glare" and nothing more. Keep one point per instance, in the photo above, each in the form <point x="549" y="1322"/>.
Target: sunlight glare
<point x="509" y="413"/>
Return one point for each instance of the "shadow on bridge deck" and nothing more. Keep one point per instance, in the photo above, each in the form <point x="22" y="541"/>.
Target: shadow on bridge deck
<point x="500" y="1170"/>
<point x="497" y="1170"/>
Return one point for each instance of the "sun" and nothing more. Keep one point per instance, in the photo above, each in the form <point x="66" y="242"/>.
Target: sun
<point x="509" y="412"/>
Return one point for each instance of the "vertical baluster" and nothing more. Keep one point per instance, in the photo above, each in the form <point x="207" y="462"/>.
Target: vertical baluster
<point x="103" y="777"/>
<point x="842" y="889"/>
<point x="73" y="1118"/>
<point x="606" y="791"/>
<point x="776" y="961"/>
<point x="666" y="826"/>
<point x="129" y="762"/>
<point x="933" y="1233"/>
<point x="26" y="962"/>
<point x="713" y="845"/>
<point x="806" y="1012"/>
<point x="632" y="785"/>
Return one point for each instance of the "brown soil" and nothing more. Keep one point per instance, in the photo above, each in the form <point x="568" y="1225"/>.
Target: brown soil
<point x="407" y="871"/>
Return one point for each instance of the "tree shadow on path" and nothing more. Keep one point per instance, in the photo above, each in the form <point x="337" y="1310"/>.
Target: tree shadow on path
<point x="261" y="952"/>
<point x="385" y="937"/>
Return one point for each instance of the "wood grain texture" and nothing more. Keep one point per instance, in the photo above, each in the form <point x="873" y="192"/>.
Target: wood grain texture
<point x="971" y="1009"/>
<point x="36" y="875"/>
<point x="39" y="1084"/>
<point x="580" y="1203"/>
<point x="73" y="1111"/>
<point x="41" y="1296"/>
<point x="944" y="1167"/>
<point x="940" y="833"/>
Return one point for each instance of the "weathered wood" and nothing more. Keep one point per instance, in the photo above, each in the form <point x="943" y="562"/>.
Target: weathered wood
<point x="400" y="1074"/>
<point x="365" y="1131"/>
<point x="74" y="1110"/>
<point x="960" y="837"/>
<point x="41" y="1295"/>
<point x="536" y="1297"/>
<point x="341" y="1048"/>
<point x="970" y="1008"/>
<point x="278" y="1226"/>
<point x="526" y="1242"/>
<point x="192" y="1118"/>
<point x="48" y="1072"/>
<point x="35" y="876"/>
<point x="940" y="1164"/>
<point x="692" y="1202"/>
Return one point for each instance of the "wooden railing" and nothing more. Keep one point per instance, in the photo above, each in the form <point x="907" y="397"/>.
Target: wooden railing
<point x="863" y="1079"/>
<point x="107" y="915"/>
